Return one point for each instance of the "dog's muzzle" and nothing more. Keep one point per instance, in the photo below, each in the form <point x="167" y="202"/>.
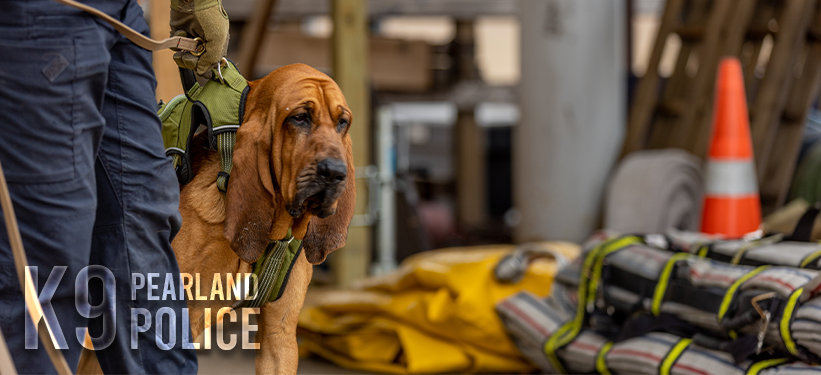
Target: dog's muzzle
<point x="318" y="188"/>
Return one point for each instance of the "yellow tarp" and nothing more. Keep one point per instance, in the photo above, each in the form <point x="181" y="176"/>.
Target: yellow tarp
<point x="433" y="315"/>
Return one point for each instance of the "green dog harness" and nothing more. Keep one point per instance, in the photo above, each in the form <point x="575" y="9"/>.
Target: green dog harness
<point x="219" y="107"/>
<point x="272" y="275"/>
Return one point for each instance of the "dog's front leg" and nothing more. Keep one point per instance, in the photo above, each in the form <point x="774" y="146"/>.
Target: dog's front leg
<point x="278" y="352"/>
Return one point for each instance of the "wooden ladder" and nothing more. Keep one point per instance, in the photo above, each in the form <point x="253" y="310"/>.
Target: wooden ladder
<point x="777" y="42"/>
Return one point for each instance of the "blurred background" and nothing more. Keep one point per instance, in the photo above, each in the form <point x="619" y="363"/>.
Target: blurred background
<point x="435" y="88"/>
<point x="502" y="121"/>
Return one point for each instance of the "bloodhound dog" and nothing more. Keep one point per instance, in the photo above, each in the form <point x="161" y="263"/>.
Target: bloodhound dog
<point x="293" y="168"/>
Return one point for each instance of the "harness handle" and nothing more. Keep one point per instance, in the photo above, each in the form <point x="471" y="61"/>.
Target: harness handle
<point x="195" y="46"/>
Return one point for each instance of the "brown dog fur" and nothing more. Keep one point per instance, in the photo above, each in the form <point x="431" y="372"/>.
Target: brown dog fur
<point x="274" y="157"/>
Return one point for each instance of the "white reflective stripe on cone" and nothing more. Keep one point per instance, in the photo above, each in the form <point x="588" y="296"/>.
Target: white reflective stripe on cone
<point x="730" y="177"/>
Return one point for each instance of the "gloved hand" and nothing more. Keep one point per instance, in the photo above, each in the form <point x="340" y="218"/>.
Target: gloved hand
<point x="205" y="19"/>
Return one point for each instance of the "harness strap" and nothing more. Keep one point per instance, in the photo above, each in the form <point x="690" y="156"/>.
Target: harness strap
<point x="664" y="279"/>
<point x="673" y="356"/>
<point x="756" y="367"/>
<point x="271" y="271"/>
<point x="188" y="44"/>
<point x="225" y="146"/>
<point x="786" y="318"/>
<point x="601" y="363"/>
<point x="219" y="107"/>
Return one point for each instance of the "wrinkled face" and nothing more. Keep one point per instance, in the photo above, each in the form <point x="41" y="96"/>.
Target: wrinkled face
<point x="314" y="170"/>
<point x="315" y="165"/>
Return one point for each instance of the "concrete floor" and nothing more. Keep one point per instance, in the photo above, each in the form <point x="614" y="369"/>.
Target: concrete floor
<point x="241" y="362"/>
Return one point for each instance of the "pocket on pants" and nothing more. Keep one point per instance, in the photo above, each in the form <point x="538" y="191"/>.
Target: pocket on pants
<point x="51" y="92"/>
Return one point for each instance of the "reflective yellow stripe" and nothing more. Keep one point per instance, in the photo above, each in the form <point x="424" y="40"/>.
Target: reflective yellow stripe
<point x="599" y="260"/>
<point x="672" y="356"/>
<point x="702" y="252"/>
<point x="758" y="366"/>
<point x="664" y="278"/>
<point x="552" y="343"/>
<point x="730" y="294"/>
<point x="809" y="258"/>
<point x="786" y="318"/>
<point x="740" y="253"/>
<point x="550" y="347"/>
<point x="587" y="294"/>
<point x="601" y="365"/>
<point x="766" y="241"/>
<point x="609" y="248"/>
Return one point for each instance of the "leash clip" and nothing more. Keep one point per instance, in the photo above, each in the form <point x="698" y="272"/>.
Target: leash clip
<point x="219" y="69"/>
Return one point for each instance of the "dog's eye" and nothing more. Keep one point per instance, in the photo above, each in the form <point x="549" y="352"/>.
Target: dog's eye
<point x="300" y="119"/>
<point x="342" y="125"/>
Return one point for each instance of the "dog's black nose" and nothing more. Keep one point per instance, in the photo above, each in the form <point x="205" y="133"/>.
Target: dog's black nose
<point x="332" y="171"/>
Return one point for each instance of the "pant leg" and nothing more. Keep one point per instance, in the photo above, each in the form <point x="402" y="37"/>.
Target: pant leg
<point x="137" y="214"/>
<point x="53" y="69"/>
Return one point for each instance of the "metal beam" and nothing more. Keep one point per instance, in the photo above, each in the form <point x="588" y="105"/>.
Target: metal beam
<point x="460" y="9"/>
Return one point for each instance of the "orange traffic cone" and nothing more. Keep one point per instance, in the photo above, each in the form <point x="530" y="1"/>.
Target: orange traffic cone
<point x="732" y="206"/>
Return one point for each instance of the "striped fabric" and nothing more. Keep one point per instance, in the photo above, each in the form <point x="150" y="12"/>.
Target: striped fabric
<point x="532" y="321"/>
<point x="783" y="253"/>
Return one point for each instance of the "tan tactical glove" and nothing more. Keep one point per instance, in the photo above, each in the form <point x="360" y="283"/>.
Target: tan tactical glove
<point x="205" y="19"/>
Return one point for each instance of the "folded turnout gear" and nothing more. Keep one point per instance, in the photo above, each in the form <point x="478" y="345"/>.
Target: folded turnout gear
<point x="658" y="304"/>
<point x="435" y="314"/>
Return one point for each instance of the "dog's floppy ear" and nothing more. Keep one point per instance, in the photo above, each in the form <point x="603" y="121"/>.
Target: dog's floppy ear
<point x="250" y="197"/>
<point x="328" y="234"/>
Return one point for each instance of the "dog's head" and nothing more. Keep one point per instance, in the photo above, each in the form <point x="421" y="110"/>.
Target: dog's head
<point x="293" y="165"/>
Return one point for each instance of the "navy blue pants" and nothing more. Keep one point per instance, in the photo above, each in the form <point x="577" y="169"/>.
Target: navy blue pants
<point x="81" y="148"/>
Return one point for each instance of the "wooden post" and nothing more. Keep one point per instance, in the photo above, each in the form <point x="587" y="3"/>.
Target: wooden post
<point x="469" y="142"/>
<point x="350" y="71"/>
<point x="168" y="75"/>
<point x="252" y="36"/>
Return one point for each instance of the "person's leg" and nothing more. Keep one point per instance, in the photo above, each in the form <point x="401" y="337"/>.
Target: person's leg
<point x="137" y="214"/>
<point x="53" y="70"/>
